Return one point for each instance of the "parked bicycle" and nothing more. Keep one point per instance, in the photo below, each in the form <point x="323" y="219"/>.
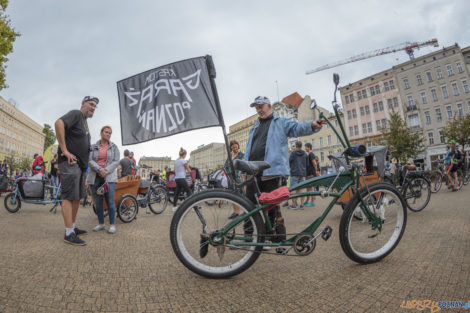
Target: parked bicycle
<point x="211" y="245"/>
<point x="439" y="176"/>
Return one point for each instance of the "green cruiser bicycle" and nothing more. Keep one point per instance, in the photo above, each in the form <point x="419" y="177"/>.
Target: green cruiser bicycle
<point x="211" y="245"/>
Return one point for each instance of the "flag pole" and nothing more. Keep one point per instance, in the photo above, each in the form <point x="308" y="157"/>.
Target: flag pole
<point x="212" y="75"/>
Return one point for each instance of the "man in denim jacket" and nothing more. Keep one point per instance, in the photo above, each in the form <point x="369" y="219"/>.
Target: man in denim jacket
<point x="268" y="142"/>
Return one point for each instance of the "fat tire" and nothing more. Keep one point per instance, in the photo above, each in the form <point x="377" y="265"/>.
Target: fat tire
<point x="348" y="214"/>
<point x="223" y="194"/>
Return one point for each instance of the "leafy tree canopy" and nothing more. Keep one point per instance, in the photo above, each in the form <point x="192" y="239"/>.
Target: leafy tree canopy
<point x="7" y="37"/>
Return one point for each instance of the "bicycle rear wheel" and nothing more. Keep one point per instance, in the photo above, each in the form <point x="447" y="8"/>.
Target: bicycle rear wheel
<point x="196" y="224"/>
<point x="436" y="181"/>
<point x="127" y="209"/>
<point x="417" y="193"/>
<point x="158" y="199"/>
<point x="360" y="241"/>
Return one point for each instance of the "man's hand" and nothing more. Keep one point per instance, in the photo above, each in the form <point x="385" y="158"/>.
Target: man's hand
<point x="318" y="124"/>
<point x="70" y="157"/>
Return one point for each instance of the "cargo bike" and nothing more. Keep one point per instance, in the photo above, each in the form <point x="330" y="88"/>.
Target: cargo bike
<point x="210" y="244"/>
<point x="133" y="192"/>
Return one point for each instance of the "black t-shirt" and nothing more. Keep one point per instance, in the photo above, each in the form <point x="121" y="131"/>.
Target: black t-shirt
<point x="258" y="144"/>
<point x="77" y="138"/>
<point x="310" y="170"/>
<point x="126" y="166"/>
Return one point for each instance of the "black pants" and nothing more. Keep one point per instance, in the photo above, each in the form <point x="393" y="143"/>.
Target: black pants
<point x="265" y="186"/>
<point x="181" y="185"/>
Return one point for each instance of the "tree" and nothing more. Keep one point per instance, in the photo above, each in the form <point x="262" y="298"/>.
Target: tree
<point x="458" y="129"/>
<point x="7" y="37"/>
<point x="50" y="136"/>
<point x="402" y="141"/>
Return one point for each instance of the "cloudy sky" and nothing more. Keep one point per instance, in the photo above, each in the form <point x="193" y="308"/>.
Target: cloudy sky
<point x="69" y="49"/>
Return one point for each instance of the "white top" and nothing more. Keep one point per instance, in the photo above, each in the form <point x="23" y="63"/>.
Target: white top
<point x="180" y="171"/>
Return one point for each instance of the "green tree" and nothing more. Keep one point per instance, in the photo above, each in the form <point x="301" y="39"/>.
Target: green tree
<point x="7" y="37"/>
<point x="402" y="141"/>
<point x="458" y="129"/>
<point x="50" y="136"/>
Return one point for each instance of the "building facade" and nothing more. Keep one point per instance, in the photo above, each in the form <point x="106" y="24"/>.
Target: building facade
<point x="20" y="136"/>
<point x="240" y="131"/>
<point x="155" y="163"/>
<point x="434" y="89"/>
<point x="208" y="158"/>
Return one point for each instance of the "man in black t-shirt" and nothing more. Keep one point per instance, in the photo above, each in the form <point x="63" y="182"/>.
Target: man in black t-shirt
<point x="126" y="165"/>
<point x="73" y="136"/>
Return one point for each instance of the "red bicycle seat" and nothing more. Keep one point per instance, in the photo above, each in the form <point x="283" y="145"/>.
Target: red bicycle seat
<point x="279" y="195"/>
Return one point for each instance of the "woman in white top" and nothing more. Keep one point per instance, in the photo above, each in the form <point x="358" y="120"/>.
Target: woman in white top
<point x="181" y="167"/>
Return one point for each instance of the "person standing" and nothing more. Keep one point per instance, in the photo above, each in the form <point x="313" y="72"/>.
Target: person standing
<point x="54" y="167"/>
<point x="236" y="154"/>
<point x="38" y="164"/>
<point x="267" y="141"/>
<point x="74" y="138"/>
<point x="131" y="156"/>
<point x="311" y="172"/>
<point x="104" y="160"/>
<point x="165" y="169"/>
<point x="181" y="167"/>
<point x="298" y="170"/>
<point x="126" y="165"/>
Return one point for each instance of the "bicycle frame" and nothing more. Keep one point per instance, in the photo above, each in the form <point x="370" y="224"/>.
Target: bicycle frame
<point x="47" y="187"/>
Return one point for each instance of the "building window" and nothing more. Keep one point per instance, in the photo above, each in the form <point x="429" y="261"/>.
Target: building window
<point x="468" y="103"/>
<point x="369" y="127"/>
<point x="424" y="100"/>
<point x="406" y="83"/>
<point x="414" y="120"/>
<point x="395" y="102"/>
<point x="459" y="67"/>
<point x="376" y="108"/>
<point x="419" y="79"/>
<point x="322" y="156"/>
<point x="356" y="130"/>
<point x="377" y="89"/>
<point x="367" y="110"/>
<point x="431" y="138"/>
<point x="384" y="123"/>
<point x="351" y="131"/>
<point x="354" y="114"/>
<point x="349" y="115"/>
<point x="439" y="73"/>
<point x="389" y="103"/>
<point x="351" y="97"/>
<point x="460" y="109"/>
<point x="359" y="95"/>
<point x="429" y="76"/>
<point x="392" y="85"/>
<point x="428" y="117"/>
<point x="313" y="143"/>
<point x="445" y="94"/>
<point x="450" y="115"/>
<point x="455" y="89"/>
<point x="441" y="137"/>
<point x="381" y="106"/>
<point x="434" y="94"/>
<point x="411" y="102"/>
<point x="372" y="91"/>
<point x="321" y="141"/>
<point x="329" y="139"/>
<point x="386" y="88"/>
<point x="438" y="115"/>
<point x="377" y="123"/>
<point x="364" y="94"/>
<point x="450" y="71"/>
<point x="465" y="86"/>
<point x="346" y="99"/>
<point x="362" y="111"/>
<point x="364" y="128"/>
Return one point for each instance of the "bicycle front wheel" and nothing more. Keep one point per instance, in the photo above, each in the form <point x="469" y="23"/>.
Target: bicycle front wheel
<point x="362" y="242"/>
<point x="127" y="209"/>
<point x="417" y="194"/>
<point x="158" y="199"/>
<point x="436" y="181"/>
<point x="195" y="227"/>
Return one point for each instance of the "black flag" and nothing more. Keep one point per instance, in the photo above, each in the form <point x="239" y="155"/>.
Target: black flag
<point x="167" y="100"/>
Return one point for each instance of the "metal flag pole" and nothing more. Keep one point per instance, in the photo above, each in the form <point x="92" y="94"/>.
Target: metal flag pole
<point x="212" y="75"/>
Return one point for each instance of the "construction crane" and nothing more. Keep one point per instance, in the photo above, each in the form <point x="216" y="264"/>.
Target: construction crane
<point x="407" y="46"/>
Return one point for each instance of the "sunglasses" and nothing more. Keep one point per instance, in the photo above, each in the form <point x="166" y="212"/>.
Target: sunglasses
<point x="90" y="98"/>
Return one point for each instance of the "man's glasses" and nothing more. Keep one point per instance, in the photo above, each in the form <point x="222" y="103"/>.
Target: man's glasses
<point x="90" y="98"/>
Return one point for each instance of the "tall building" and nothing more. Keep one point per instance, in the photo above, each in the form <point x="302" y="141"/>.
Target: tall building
<point x="208" y="158"/>
<point x="434" y="88"/>
<point x="367" y="105"/>
<point x="155" y="163"/>
<point x="240" y="131"/>
<point x="20" y="136"/>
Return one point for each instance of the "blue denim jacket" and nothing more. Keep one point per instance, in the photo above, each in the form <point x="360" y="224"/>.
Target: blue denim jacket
<point x="277" y="150"/>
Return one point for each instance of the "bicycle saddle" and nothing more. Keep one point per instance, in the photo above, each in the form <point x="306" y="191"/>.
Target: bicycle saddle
<point x="250" y="167"/>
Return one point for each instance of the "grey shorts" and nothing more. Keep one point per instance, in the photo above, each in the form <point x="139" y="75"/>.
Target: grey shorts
<point x="72" y="180"/>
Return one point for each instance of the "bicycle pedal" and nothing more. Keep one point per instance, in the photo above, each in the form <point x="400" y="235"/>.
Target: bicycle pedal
<point x="281" y="250"/>
<point x="326" y="233"/>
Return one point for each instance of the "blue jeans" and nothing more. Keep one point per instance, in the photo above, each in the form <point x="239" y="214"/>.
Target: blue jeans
<point x="109" y="197"/>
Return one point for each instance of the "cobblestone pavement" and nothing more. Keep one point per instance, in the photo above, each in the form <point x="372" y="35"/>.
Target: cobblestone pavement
<point x="135" y="270"/>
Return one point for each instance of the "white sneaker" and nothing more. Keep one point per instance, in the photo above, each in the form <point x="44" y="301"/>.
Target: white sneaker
<point x="175" y="208"/>
<point x="112" y="229"/>
<point x="99" y="227"/>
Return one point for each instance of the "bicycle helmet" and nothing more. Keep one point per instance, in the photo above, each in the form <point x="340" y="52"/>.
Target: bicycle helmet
<point x="452" y="142"/>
